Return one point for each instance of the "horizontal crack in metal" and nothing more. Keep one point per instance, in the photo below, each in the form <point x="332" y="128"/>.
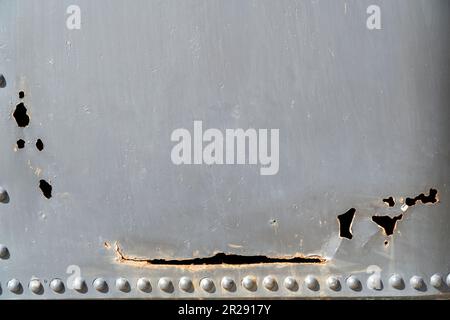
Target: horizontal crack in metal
<point x="220" y="259"/>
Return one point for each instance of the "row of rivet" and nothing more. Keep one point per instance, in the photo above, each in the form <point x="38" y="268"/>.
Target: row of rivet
<point x="227" y="283"/>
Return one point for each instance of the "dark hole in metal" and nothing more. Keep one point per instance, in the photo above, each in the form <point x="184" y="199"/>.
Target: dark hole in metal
<point x="21" y="94"/>
<point x="345" y="223"/>
<point x="39" y="145"/>
<point x="20" y="144"/>
<point x="389" y="201"/>
<point x="20" y="114"/>
<point x="2" y="81"/>
<point x="223" y="258"/>
<point x="46" y="188"/>
<point x="387" y="223"/>
<point x="431" y="198"/>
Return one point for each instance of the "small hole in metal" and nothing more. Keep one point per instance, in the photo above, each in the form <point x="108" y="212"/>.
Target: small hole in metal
<point x="389" y="201"/>
<point x="387" y="223"/>
<point x="431" y="198"/>
<point x="39" y="145"/>
<point x="20" y="144"/>
<point x="20" y="114"/>
<point x="46" y="188"/>
<point x="2" y="81"/>
<point x="345" y="223"/>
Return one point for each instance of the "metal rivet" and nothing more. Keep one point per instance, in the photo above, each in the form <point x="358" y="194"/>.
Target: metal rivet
<point x="270" y="283"/>
<point x="185" y="284"/>
<point x="2" y="81"/>
<point x="144" y="285"/>
<point x="436" y="280"/>
<point x="35" y="286"/>
<point x="165" y="284"/>
<point x="100" y="285"/>
<point x="291" y="284"/>
<point x="311" y="283"/>
<point x="79" y="284"/>
<point x="14" y="286"/>
<point x="228" y="284"/>
<point x="4" y="252"/>
<point x="123" y="285"/>
<point x="396" y="281"/>
<point x="333" y="283"/>
<point x="249" y="283"/>
<point x="57" y="285"/>
<point x="4" y="197"/>
<point x="354" y="283"/>
<point x="207" y="285"/>
<point x="417" y="282"/>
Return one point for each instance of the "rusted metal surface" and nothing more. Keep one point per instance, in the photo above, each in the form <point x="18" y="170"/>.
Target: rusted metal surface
<point x="354" y="204"/>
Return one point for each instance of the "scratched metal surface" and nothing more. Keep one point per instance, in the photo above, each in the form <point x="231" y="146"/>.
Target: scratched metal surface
<point x="363" y="115"/>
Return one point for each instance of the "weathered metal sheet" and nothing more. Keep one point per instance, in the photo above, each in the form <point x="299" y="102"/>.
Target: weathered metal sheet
<point x="353" y="94"/>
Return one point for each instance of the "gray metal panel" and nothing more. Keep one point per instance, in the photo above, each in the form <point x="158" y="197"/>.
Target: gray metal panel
<point x="363" y="115"/>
